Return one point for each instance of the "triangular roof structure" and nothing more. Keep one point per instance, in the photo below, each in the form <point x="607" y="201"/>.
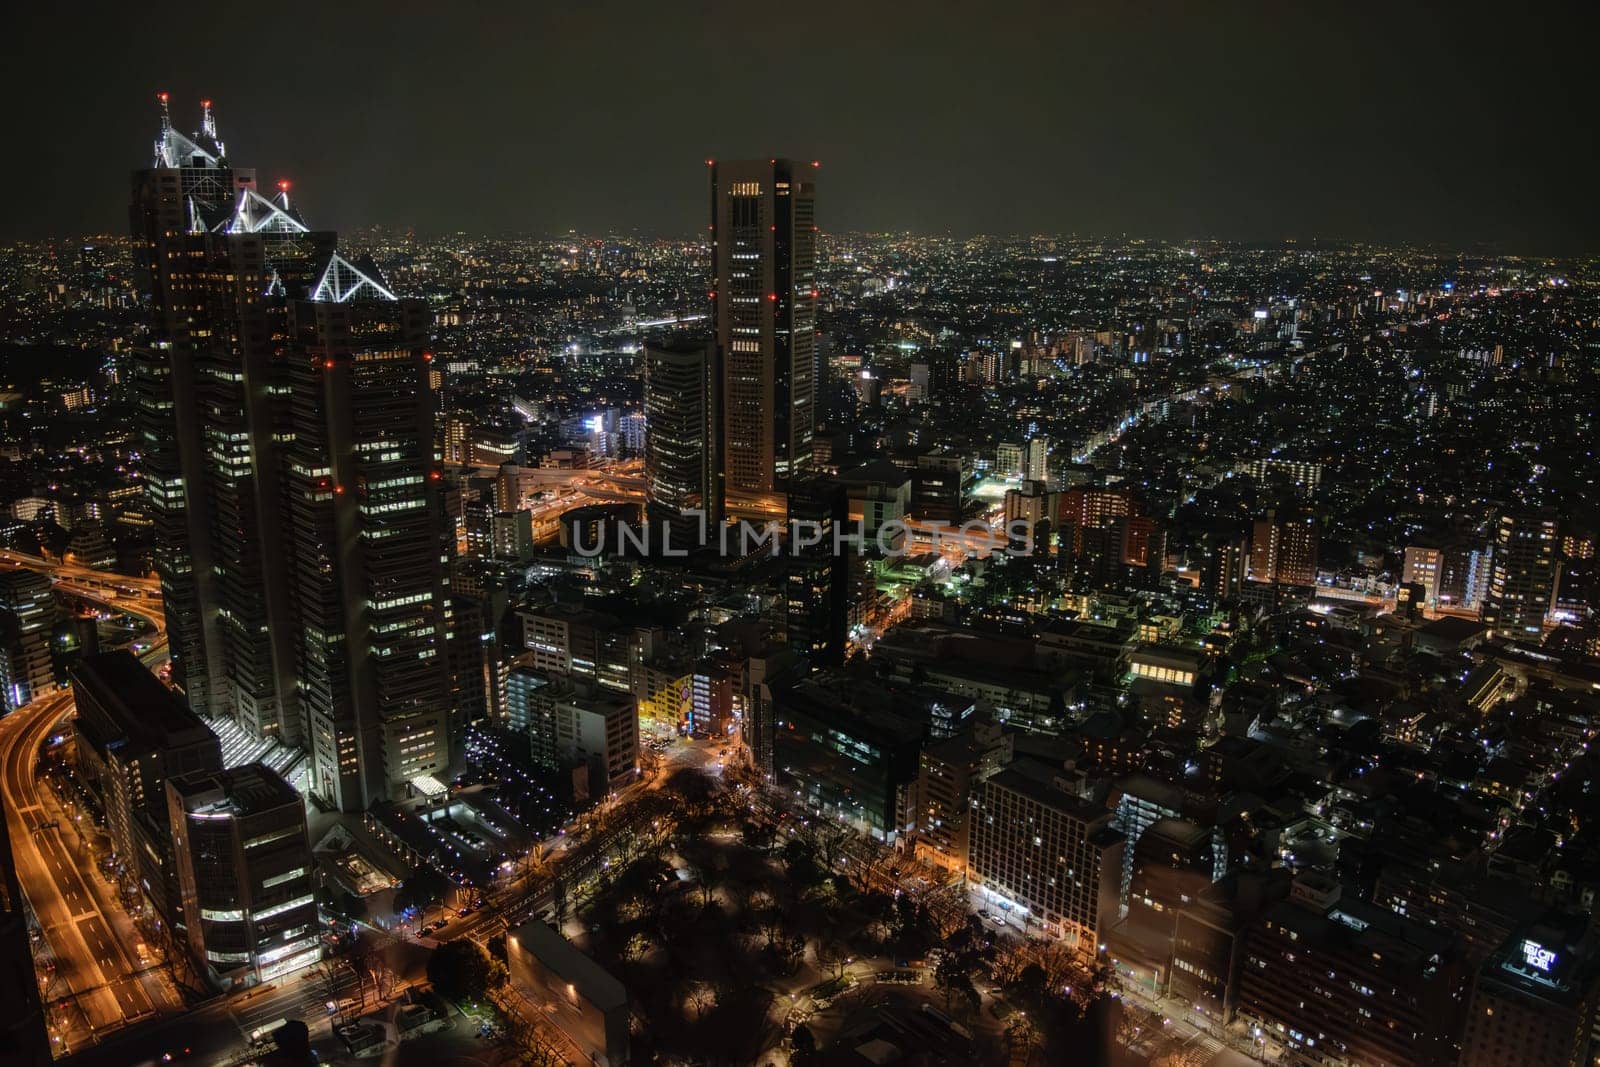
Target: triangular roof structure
<point x="254" y="213"/>
<point x="341" y="281"/>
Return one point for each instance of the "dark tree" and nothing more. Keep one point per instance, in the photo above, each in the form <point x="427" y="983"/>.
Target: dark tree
<point x="461" y="970"/>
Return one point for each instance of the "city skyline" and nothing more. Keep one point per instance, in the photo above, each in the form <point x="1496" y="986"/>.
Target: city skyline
<point x="1253" y="123"/>
<point x="789" y="646"/>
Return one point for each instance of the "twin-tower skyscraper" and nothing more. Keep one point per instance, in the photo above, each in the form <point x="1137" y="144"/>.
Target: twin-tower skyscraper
<point x="287" y="453"/>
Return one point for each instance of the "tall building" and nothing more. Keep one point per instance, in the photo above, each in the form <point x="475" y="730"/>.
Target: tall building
<point x="287" y="451"/>
<point x="1523" y="575"/>
<point x="570" y="721"/>
<point x="1422" y="566"/>
<point x="28" y="613"/>
<point x="764" y="299"/>
<point x="681" y="454"/>
<point x="368" y="569"/>
<point x="1344" y="981"/>
<point x="245" y="873"/>
<point x="816" y="581"/>
<point x="1039" y="459"/>
<point x="1283" y="549"/>
<point x="209" y="247"/>
<point x="1046" y="856"/>
<point x="1534" y="1000"/>
<point x="132" y="736"/>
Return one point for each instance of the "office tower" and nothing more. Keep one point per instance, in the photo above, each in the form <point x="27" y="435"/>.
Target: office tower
<point x="569" y="720"/>
<point x="939" y="484"/>
<point x="572" y="640"/>
<point x="211" y="249"/>
<point x="28" y="613"/>
<point x="838" y="747"/>
<point x="765" y="674"/>
<point x="511" y="535"/>
<point x="682" y="439"/>
<point x="132" y="735"/>
<point x="286" y="441"/>
<point x="1048" y="858"/>
<point x="1283" y="549"/>
<point x="245" y="873"/>
<point x="370" y="546"/>
<point x="1522" y="578"/>
<point x="817" y="577"/>
<point x="1535" y="998"/>
<point x="530" y="712"/>
<point x="24" y="1037"/>
<point x="764" y="298"/>
<point x="711" y="689"/>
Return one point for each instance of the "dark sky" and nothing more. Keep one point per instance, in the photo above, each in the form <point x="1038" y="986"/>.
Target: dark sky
<point x="1397" y="121"/>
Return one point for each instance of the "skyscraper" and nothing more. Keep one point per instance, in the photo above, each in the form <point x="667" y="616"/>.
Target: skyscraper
<point x="370" y="546"/>
<point x="681" y="453"/>
<point x="1522" y="578"/>
<point x="286" y="441"/>
<point x="203" y="236"/>
<point x="764" y="300"/>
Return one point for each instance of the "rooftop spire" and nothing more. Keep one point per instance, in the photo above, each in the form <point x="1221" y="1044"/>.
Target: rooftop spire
<point x="208" y="121"/>
<point x="166" y="128"/>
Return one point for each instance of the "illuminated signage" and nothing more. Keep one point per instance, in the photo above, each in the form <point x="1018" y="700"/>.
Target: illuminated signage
<point x="1537" y="956"/>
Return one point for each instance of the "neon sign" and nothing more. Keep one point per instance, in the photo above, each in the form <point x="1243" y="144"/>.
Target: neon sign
<point x="1537" y="956"/>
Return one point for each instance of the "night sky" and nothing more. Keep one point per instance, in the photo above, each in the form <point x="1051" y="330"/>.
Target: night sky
<point x="1457" y="125"/>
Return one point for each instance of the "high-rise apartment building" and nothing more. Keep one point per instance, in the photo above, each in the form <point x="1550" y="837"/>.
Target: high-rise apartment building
<point x="1523" y="575"/>
<point x="287" y="451"/>
<point x="1039" y="459"/>
<point x="1283" y="549"/>
<point x="764" y="299"/>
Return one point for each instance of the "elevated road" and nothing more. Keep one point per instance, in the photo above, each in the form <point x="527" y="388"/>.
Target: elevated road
<point x="98" y="984"/>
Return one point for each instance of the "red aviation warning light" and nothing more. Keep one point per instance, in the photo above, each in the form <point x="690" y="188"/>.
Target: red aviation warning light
<point x="205" y="103"/>
<point x="163" y="97"/>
